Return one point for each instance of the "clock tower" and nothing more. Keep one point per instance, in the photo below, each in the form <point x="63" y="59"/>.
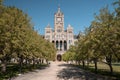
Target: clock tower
<point x="60" y="37"/>
<point x="59" y="21"/>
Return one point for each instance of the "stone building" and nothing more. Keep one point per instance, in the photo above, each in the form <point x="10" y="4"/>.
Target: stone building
<point x="59" y="36"/>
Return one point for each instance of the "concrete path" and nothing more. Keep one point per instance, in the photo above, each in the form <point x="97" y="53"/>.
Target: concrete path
<point x="60" y="71"/>
<point x="50" y="73"/>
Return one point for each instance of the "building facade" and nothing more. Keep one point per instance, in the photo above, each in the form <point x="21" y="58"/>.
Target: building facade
<point x="59" y="36"/>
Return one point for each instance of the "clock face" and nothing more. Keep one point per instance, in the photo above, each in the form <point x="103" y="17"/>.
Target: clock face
<point x="59" y="19"/>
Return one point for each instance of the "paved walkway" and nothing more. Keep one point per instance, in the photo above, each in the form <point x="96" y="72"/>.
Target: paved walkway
<point x="50" y="73"/>
<point x="60" y="71"/>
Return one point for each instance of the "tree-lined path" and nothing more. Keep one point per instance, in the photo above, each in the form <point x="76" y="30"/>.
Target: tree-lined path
<point x="23" y="49"/>
<point x="60" y="71"/>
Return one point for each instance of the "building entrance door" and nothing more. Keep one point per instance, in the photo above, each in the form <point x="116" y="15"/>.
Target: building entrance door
<point x="59" y="57"/>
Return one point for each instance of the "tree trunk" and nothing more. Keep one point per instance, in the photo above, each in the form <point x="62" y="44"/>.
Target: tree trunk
<point x="38" y="61"/>
<point x="3" y="65"/>
<point x="33" y="62"/>
<point x="26" y="61"/>
<point x="96" y="68"/>
<point x="20" y="63"/>
<point x="76" y="62"/>
<point x="109" y="62"/>
<point x="42" y="61"/>
<point x="83" y="62"/>
<point x="79" y="62"/>
<point x="111" y="68"/>
<point x="47" y="61"/>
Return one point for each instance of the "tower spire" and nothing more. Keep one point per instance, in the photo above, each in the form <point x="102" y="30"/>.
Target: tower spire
<point x="59" y="8"/>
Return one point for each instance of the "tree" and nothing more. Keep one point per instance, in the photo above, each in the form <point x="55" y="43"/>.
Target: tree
<point x="13" y="28"/>
<point x="70" y="54"/>
<point x="107" y="38"/>
<point x="117" y="28"/>
<point x="19" y="40"/>
<point x="1" y="2"/>
<point x="117" y="10"/>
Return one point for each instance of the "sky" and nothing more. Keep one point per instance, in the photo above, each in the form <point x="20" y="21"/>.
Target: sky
<point x="78" y="13"/>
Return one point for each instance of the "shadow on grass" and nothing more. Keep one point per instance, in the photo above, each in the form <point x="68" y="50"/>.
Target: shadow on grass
<point x="13" y="70"/>
<point x="75" y="73"/>
<point x="104" y="72"/>
<point x="116" y="64"/>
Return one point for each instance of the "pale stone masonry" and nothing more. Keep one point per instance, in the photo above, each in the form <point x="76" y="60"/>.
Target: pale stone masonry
<point x="60" y="37"/>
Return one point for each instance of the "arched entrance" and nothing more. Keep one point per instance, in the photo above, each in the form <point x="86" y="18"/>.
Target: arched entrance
<point x="59" y="57"/>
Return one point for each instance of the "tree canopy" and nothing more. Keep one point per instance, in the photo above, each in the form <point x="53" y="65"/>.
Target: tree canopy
<point x="101" y="40"/>
<point x="19" y="40"/>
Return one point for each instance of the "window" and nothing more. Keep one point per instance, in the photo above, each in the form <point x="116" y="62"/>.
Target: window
<point x="59" y="14"/>
<point x="70" y="41"/>
<point x="47" y="36"/>
<point x="47" y="31"/>
<point x="52" y="36"/>
<point x="70" y="31"/>
<point x="59" y="19"/>
<point x="59" y="30"/>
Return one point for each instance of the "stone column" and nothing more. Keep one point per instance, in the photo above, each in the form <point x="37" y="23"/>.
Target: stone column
<point x="67" y="45"/>
<point x="58" y="45"/>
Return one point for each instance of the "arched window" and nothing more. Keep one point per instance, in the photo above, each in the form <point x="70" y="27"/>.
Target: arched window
<point x="59" y="30"/>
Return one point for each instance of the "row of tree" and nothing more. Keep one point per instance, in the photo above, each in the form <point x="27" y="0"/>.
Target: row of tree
<point x="19" y="40"/>
<point x="99" y="42"/>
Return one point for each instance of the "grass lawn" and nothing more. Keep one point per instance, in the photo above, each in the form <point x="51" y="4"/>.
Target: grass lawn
<point x="103" y="69"/>
<point x="103" y="66"/>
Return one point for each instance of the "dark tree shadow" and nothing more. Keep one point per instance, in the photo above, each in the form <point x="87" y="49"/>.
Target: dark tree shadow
<point x="74" y="73"/>
<point x="116" y="64"/>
